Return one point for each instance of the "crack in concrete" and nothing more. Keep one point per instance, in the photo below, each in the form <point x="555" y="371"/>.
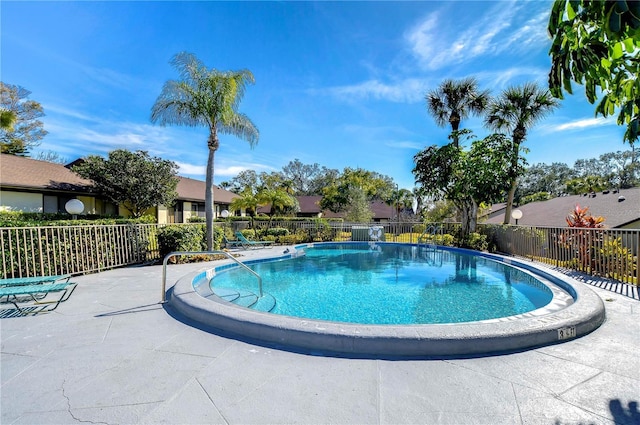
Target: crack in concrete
<point x="212" y="402"/>
<point x="515" y="398"/>
<point x="104" y="337"/>
<point x="71" y="413"/>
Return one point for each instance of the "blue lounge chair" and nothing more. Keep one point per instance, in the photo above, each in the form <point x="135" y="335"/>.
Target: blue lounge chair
<point x="32" y="299"/>
<point x="248" y="244"/>
<point x="34" y="280"/>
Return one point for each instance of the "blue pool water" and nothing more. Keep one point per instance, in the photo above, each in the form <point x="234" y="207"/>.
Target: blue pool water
<point x="391" y="284"/>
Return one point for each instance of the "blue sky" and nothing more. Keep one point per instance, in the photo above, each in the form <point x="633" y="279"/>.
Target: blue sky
<point x="340" y="84"/>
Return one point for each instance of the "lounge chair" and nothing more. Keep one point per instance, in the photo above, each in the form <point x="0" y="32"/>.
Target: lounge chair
<point x="34" y="280"/>
<point x="26" y="297"/>
<point x="248" y="244"/>
<point x="231" y="244"/>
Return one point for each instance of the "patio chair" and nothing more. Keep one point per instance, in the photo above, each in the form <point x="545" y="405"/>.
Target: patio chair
<point x="232" y="244"/>
<point x="248" y="244"/>
<point x="26" y="297"/>
<point x="34" y="280"/>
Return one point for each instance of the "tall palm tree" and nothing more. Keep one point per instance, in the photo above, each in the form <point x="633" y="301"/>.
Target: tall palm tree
<point x="206" y="97"/>
<point x="516" y="110"/>
<point x="451" y="102"/>
<point x="454" y="101"/>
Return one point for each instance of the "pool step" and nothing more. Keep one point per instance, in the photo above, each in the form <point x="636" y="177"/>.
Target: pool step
<point x="247" y="299"/>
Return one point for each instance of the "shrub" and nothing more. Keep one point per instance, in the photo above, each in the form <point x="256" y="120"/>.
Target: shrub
<point x="186" y="238"/>
<point x="619" y="260"/>
<point x="444" y="239"/>
<point x="476" y="241"/>
<point x="29" y="219"/>
<point x="277" y="232"/>
<point x="299" y="237"/>
<point x="419" y="228"/>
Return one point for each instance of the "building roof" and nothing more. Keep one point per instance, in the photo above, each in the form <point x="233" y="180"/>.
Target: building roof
<point x="17" y="172"/>
<point x="193" y="190"/>
<point x="618" y="208"/>
<point x="310" y="205"/>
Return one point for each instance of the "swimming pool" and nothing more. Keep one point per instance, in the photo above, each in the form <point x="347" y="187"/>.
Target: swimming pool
<point x="389" y="284"/>
<point x="573" y="310"/>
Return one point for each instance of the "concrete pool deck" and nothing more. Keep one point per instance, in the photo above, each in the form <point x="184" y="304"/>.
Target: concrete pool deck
<point x="112" y="354"/>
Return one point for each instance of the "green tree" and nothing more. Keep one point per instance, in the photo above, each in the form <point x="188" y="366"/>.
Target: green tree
<point x="516" y="110"/>
<point x="543" y="178"/>
<point x="439" y="211"/>
<point x="355" y="184"/>
<point x="586" y="184"/>
<point x="134" y="180"/>
<point x="301" y="176"/>
<point x="277" y="198"/>
<point x="622" y="168"/>
<point x="454" y="101"/>
<point x="359" y="210"/>
<point x="21" y="129"/>
<point x="210" y="98"/>
<point x="7" y="120"/>
<point x="596" y="43"/>
<point x="244" y="179"/>
<point x="248" y="201"/>
<point x="478" y="175"/>
<point x="401" y="200"/>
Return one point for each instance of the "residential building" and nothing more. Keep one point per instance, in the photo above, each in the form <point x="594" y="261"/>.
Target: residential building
<point x="620" y="209"/>
<point x="39" y="186"/>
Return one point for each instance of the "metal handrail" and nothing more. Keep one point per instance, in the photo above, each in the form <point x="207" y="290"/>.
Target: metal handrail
<point x="434" y="229"/>
<point x="226" y="254"/>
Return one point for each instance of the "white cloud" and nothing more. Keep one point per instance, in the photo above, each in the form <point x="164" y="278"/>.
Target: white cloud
<point x="583" y="123"/>
<point x="234" y="170"/>
<point x="500" y="79"/>
<point x="534" y="31"/>
<point x="423" y="38"/>
<point x="410" y="90"/>
<point x="405" y="144"/>
<point x="435" y="47"/>
<point x="190" y="169"/>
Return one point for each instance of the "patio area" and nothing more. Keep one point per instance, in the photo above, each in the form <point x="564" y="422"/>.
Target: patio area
<point x="113" y="354"/>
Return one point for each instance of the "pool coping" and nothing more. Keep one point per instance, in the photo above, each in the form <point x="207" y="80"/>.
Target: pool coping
<point x="471" y="338"/>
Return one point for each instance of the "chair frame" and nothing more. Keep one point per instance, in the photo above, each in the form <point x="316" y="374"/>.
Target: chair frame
<point x="246" y="243"/>
<point x="26" y="297"/>
<point x="34" y="280"/>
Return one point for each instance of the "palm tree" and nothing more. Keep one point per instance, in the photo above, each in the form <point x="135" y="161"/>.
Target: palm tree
<point x="454" y="101"/>
<point x="277" y="198"/>
<point x="516" y="110"/>
<point x="206" y="97"/>
<point x="450" y="103"/>
<point x="247" y="201"/>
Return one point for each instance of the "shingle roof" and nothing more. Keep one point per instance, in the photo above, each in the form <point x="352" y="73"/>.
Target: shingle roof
<point x="17" y="172"/>
<point x="26" y="173"/>
<point x="310" y="205"/>
<point x="553" y="212"/>
<point x="193" y="190"/>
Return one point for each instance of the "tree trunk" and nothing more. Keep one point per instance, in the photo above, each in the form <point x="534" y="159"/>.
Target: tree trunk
<point x="510" y="194"/>
<point x="469" y="220"/>
<point x="208" y="199"/>
<point x="514" y="176"/>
